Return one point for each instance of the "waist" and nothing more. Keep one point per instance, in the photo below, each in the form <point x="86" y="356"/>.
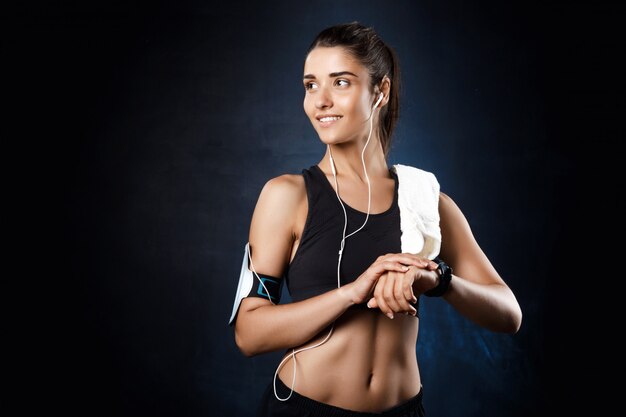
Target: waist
<point x="319" y="409"/>
<point x="368" y="364"/>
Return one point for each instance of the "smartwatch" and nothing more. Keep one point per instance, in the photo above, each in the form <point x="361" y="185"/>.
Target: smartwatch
<point x="445" y="276"/>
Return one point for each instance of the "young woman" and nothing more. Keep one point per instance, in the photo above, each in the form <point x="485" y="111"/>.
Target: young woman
<point x="358" y="242"/>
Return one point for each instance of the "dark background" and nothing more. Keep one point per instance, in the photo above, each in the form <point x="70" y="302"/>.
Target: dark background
<point x="139" y="135"/>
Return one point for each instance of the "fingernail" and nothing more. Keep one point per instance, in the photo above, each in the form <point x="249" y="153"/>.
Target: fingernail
<point x="390" y="315"/>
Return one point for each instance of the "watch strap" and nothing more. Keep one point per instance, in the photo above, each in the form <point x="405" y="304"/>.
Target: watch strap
<point x="445" y="276"/>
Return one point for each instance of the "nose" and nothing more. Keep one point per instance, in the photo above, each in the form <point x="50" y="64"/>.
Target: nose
<point x="323" y="98"/>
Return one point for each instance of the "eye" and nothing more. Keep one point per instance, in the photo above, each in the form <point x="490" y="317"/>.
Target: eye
<point x="343" y="81"/>
<point x="309" y="85"/>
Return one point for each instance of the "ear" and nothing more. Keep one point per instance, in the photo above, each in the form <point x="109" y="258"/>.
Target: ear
<point x="385" y="88"/>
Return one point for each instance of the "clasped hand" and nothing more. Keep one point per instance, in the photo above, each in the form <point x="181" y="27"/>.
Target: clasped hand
<point x="395" y="291"/>
<point x="394" y="281"/>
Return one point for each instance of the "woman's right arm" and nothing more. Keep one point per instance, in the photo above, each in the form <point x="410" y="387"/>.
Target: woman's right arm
<point x="263" y="327"/>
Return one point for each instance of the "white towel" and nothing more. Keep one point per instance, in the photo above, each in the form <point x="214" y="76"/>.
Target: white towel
<point x="418" y="200"/>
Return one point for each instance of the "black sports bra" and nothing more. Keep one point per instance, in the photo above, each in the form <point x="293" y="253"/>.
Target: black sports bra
<point x="313" y="269"/>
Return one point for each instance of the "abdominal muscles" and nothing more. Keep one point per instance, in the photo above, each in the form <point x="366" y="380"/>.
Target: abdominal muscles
<point x="368" y="363"/>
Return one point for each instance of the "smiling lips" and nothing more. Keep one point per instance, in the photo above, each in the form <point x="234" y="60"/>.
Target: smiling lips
<point x="328" y="120"/>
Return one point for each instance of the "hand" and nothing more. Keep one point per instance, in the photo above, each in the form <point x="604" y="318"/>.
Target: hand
<point x="394" y="291"/>
<point x="361" y="289"/>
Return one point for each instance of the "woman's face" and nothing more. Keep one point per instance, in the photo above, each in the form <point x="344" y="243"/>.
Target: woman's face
<point x="337" y="98"/>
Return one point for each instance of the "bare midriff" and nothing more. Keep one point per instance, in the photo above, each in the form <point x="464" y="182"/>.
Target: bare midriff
<point x="368" y="364"/>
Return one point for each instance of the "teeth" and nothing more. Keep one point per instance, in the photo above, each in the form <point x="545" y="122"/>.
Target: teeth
<point x="328" y="119"/>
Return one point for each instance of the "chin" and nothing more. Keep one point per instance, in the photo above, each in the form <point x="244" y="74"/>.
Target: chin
<point x="331" y="139"/>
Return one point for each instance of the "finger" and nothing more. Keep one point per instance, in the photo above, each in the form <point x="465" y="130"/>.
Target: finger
<point x="405" y="258"/>
<point x="379" y="269"/>
<point x="410" y="295"/>
<point x="372" y="303"/>
<point x="407" y="289"/>
<point x="409" y="259"/>
<point x="389" y="295"/>
<point x="378" y="294"/>
<point x="386" y="266"/>
<point x="400" y="285"/>
<point x="395" y="266"/>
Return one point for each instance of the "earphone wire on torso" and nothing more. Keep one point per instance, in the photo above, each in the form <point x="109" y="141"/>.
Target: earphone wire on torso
<point x="341" y="248"/>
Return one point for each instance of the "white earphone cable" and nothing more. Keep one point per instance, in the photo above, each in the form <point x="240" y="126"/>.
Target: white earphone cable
<point x="342" y="245"/>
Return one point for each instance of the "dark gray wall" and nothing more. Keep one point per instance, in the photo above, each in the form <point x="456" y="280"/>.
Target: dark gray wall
<point x="157" y="125"/>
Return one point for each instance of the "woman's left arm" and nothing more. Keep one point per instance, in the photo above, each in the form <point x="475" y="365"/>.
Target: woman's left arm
<point x="476" y="291"/>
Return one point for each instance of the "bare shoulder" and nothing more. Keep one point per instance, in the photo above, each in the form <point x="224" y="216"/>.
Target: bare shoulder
<point x="281" y="196"/>
<point x="286" y="188"/>
<point x="447" y="206"/>
<point x="280" y="199"/>
<point x="451" y="216"/>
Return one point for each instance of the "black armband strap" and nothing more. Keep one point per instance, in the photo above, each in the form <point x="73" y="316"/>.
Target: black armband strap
<point x="252" y="284"/>
<point x="267" y="287"/>
<point x="445" y="276"/>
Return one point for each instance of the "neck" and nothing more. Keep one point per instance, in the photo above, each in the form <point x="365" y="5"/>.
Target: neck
<point x="348" y="163"/>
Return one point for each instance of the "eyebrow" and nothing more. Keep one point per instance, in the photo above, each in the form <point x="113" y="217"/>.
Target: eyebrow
<point x="332" y="74"/>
